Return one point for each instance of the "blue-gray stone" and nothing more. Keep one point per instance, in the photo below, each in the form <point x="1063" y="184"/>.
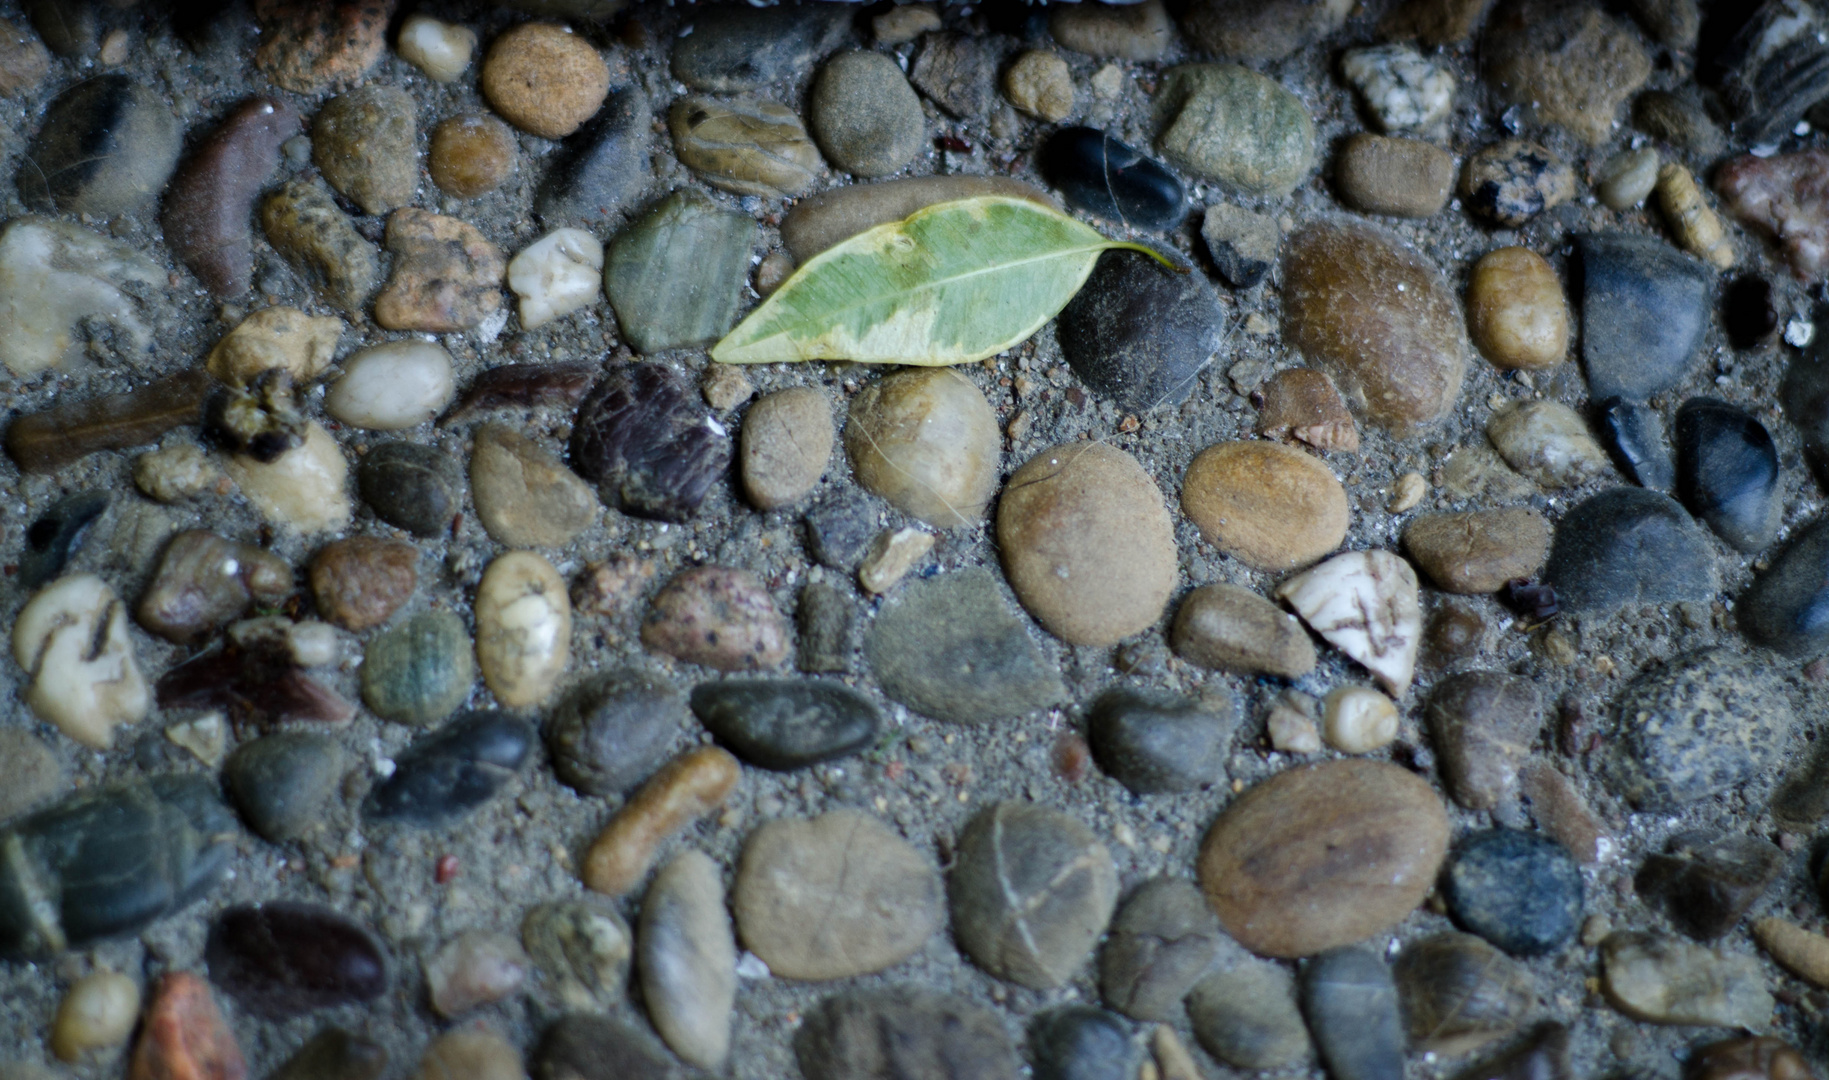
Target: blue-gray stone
<point x="1154" y="742"/>
<point x="676" y="276"/>
<point x="285" y="783"/>
<point x="452" y="771"/>
<point x="1079" y="1042"/>
<point x="603" y="169"/>
<point x="1644" y="309"/>
<point x="1350" y="1000"/>
<point x="1519" y="890"/>
<point x="1140" y="333"/>
<point x="733" y="47"/>
<point x="1104" y="177"/>
<point x="786" y="724"/>
<point x="1635" y="436"/>
<point x="1629" y="546"/>
<point x="1787" y="607"/>
<point x="1727" y="472"/>
<point x="614" y="731"/>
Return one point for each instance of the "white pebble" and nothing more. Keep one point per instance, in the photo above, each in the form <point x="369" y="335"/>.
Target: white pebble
<point x="55" y="275"/>
<point x="1365" y="604"/>
<point x="1799" y="332"/>
<point x="1358" y="719"/>
<point x="72" y="642"/>
<point x="556" y="275"/>
<point x="390" y="387"/>
<point x="1291" y="723"/>
<point x="1401" y="87"/>
<point x="439" y="49"/>
<point x="523" y="628"/>
<point x="303" y="489"/>
<point x="96" y="1015"/>
<point x="312" y="643"/>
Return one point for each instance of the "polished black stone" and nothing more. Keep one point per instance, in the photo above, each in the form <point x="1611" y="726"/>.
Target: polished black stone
<point x="1079" y="1042"/>
<point x="1154" y="742"/>
<point x="1629" y="546"/>
<point x="1748" y="312"/>
<point x="283" y="959"/>
<point x="1635" y="436"/>
<point x="55" y="536"/>
<point x="410" y="486"/>
<point x="785" y="724"/>
<point x="1350" y="1000"/>
<point x="1104" y="177"/>
<point x="611" y="733"/>
<point x="1140" y="333"/>
<point x="1727" y="472"/>
<point x="1644" y="309"/>
<point x="1519" y="890"/>
<point x="452" y="771"/>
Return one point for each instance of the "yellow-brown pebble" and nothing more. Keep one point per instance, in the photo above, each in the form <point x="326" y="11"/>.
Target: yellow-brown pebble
<point x="684" y="790"/>
<point x="1797" y="950"/>
<point x="544" y="79"/>
<point x="1516" y="313"/>
<point x="1270" y="506"/>
<point x="1040" y="84"/>
<point x="471" y="155"/>
<point x="1696" y="227"/>
<point x="96" y="1015"/>
<point x="523" y="628"/>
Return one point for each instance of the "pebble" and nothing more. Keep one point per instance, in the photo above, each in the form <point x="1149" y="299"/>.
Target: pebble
<point x="203" y="582"/>
<point x="840" y="529"/>
<point x="303" y="223"/>
<point x="175" y="473"/>
<point x="1645" y="308"/>
<point x="1079" y="1042"/>
<point x="1135" y="32"/>
<point x="1350" y="1001"/>
<point x="817" y="222"/>
<point x="1706" y="882"/>
<point x="686" y="789"/>
<point x="309" y="46"/>
<point x="1511" y="182"/>
<point x="276" y="337"/>
<point x="958" y="71"/>
<point x="1483" y="724"/>
<point x="283" y="959"/>
<point x="614" y="731"/>
<point x="1234" y="127"/>
<point x="786" y="725"/>
<point x="1365" y="604"/>
<point x="1232" y="629"/>
<point x="744" y="145"/>
<point x="1771" y="69"/>
<point x="183" y="1034"/>
<point x="1154" y="743"/>
<point x="1140" y="333"/>
<point x="675" y="277"/>
<point x="1727" y="472"/>
<point x="524" y="496"/>
<point x="1323" y="856"/>
<point x="1515" y="311"/>
<point x="556" y="275"/>
<point x="891" y="556"/>
<point x="95" y="1017"/>
<point x="834" y="896"/>
<point x="471" y="155"/>
<point x="285" y="784"/>
<point x="1162" y="941"/>
<point x="1040" y="83"/>
<point x="1031" y="891"/>
<point x="1243" y="244"/>
<point x="1358" y="719"/>
<point x="410" y="486"/>
<point x="1246" y="1015"/>
<point x="209" y="203"/>
<point x="1799" y="951"/>
<point x="523" y="628"/>
<point x="1696" y="228"/>
<point x="544" y="79"/>
<point x="1629" y="546"/>
<point x="1478" y="551"/>
<point x="473" y="969"/>
<point x="1753" y="1057"/>
<point x="1627" y="178"/>
<point x="717" y="616"/>
<point x="904" y="23"/>
<point x="688" y="960"/>
<point x="47" y="440"/>
<point x="58" y="535"/>
<point x="303" y="489"/>
<point x="24" y="62"/>
<point x="392" y="387"/>
<point x="1376" y="315"/>
<point x="29" y="772"/>
<point x="1519" y="890"/>
<point x="1782" y="197"/>
<point x="1663" y="980"/>
<point x="440" y="49"/>
<point x="1572" y="66"/>
<point x="1409" y="178"/>
<point x="858" y="1033"/>
<point x="1259" y="30"/>
<point x="57" y="277"/>
<point x="72" y="641"/>
<point x="1403" y="89"/>
<point x="927" y="441"/>
<point x="1270" y="506"/>
<point x="785" y="445"/>
<point x="1696" y="726"/>
<point x="649" y="446"/>
<point x="952" y="647"/>
<point x="582" y="1046"/>
<point x="452" y="771"/>
<point x="1087" y="543"/>
<point x="724" y="386"/>
<point x="1676" y="119"/>
<point x="365" y="143"/>
<point x="1779" y="610"/>
<point x="106" y="147"/>
<point x="1460" y="994"/>
<point x="1107" y="178"/>
<point x="1548" y="442"/>
<point x="360" y="582"/>
<point x="470" y="1054"/>
<point x="864" y="114"/>
<point x="582" y="948"/>
<point x="738" y="48"/>
<point x="447" y="277"/>
<point x="420" y="671"/>
<point x="824" y="618"/>
<point x="602" y="169"/>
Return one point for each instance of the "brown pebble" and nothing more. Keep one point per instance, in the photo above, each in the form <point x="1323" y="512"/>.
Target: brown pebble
<point x="1302" y="403"/>
<point x="447" y="276"/>
<point x="183" y="1036"/>
<point x="1270" y="506"/>
<point x="1456" y="632"/>
<point x="720" y="617"/>
<point x="204" y="581"/>
<point x="1797" y="950"/>
<point x="360" y="582"/>
<point x="1228" y="628"/>
<point x="365" y="143"/>
<point x="524" y="496"/>
<point x="46" y="441"/>
<point x="1751" y="1057"/>
<point x="209" y="207"/>
<point x="1516" y="313"/>
<point x="310" y="46"/>
<point x="1478" y="551"/>
<point x="544" y="79"/>
<point x="1483" y="725"/>
<point x="1562" y="812"/>
<point x="684" y="790"/>
<point x="471" y="155"/>
<point x="1378" y="174"/>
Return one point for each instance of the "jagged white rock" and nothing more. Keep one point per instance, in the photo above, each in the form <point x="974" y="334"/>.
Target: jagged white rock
<point x="1401" y="86"/>
<point x="72" y="641"/>
<point x="304" y="489"/>
<point x="1365" y="604"/>
<point x="556" y="275"/>
<point x="54" y="275"/>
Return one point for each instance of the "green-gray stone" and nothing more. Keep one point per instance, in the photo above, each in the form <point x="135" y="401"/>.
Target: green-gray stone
<point x="676" y="275"/>
<point x="1232" y="126"/>
<point x="420" y="671"/>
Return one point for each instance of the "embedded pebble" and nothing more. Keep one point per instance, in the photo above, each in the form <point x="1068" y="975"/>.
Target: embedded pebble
<point x="285" y="784"/>
<point x="824" y="618"/>
<point x="1629" y="546"/>
<point x="24" y="62"/>
<point x="688" y="959"/>
<point x="686" y="789"/>
<point x="926" y="441"/>
<point x="891" y="556"/>
<point x="471" y="1054"/>
<point x="1129" y="32"/>
<point x="732" y="48"/>
<point x="310" y="46"/>
<point x="1243" y="244"/>
<point x="1749" y="312"/>
<point x="958" y="71"/>
<point x="1484" y="724"/>
<point x="1408" y="178"/>
<point x="303" y="223"/>
<point x="420" y="671"/>
<point x="365" y="143"/>
<point x="1351" y="1004"/>
<point x="1478" y="551"/>
<point x="1635" y="436"/>
<point x="1797" y="950"/>
<point x="1751" y="1057"/>
<point x="1783" y="197"/>
<point x="469" y="156"/>
<point x="783" y="725"/>
<point x="784" y="446"/>
<point x="1779" y="609"/>
<point x="206" y="216"/>
<point x="29" y="772"/>
<point x="544" y="79"/>
<point x="1571" y="65"/>
<point x="524" y="496"/>
<point x="744" y="145"/>
<point x="1041" y="84"/>
<point x="1358" y="719"/>
<point x="649" y="446"/>
<point x="447" y="277"/>
<point x="1666" y="981"/>
<point x="1515" y="311"/>
<point x="1247" y="1016"/>
<point x="675" y="277"/>
<point x="72" y="641"/>
<point x="1548" y="442"/>
<point x="410" y="486"/>
<point x="1102" y="176"/>
<point x="819" y="221"/>
<point x="1513" y="181"/>
<point x="183" y="1034"/>
<point x="1707" y="882"/>
<point x="1627" y="178"/>
<point x="203" y="582"/>
<point x="57" y="277"/>
<point x="275" y="337"/>
<point x="95" y="1017"/>
<point x="440" y="49"/>
<point x="1260" y="29"/>
<point x="1519" y="890"/>
<point x="1727" y="472"/>
<point x="1644" y="308"/>
<point x="1162" y="941"/>
<point x="864" y="114"/>
<point x="1232" y="629"/>
<point x="1696" y="726"/>
<point x="1270" y="506"/>
<point x="859" y="1033"/>
<point x="1458" y="993"/>
<point x="392" y="387"/>
<point x="1405" y="91"/>
<point x="473" y="969"/>
<point x="603" y="169"/>
<point x="107" y="146"/>
<point x="904" y="23"/>
<point x="1696" y="228"/>
<point x="614" y="731"/>
<point x="1079" y="1042"/>
<point x="583" y="948"/>
<point x="1153" y="742"/>
<point x="58" y="535"/>
<point x="717" y="616"/>
<point x="1232" y="126"/>
<point x="452" y="771"/>
<point x="282" y="959"/>
<point x="1365" y="604"/>
<point x="556" y="275"/>
<point x="1140" y="333"/>
<point x="523" y="628"/>
<point x="585" y="1046"/>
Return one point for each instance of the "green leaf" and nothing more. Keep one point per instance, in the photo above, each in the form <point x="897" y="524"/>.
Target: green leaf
<point x="952" y="283"/>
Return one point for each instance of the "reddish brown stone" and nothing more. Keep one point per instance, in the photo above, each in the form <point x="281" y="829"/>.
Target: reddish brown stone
<point x="447" y="275"/>
<point x="313" y="45"/>
<point x="360" y="582"/>
<point x="719" y="617"/>
<point x="1302" y="403"/>
<point x="183" y="1037"/>
<point x="1787" y="197"/>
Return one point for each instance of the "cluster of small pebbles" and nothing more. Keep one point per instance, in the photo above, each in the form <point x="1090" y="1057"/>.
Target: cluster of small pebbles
<point x="1383" y="636"/>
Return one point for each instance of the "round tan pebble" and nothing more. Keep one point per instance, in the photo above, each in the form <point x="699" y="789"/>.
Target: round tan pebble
<point x="927" y="441"/>
<point x="524" y="496"/>
<point x="1087" y="543"/>
<point x="544" y="79"/>
<point x="1228" y="628"/>
<point x="1323" y="856"/>
<point x="523" y="628"/>
<point x="1358" y="719"/>
<point x="96" y="1015"/>
<point x="1478" y="551"/>
<point x="471" y="155"/>
<point x="1516" y="314"/>
<point x="470" y="1054"/>
<point x="785" y="445"/>
<point x="1041" y="84"/>
<point x="1270" y="506"/>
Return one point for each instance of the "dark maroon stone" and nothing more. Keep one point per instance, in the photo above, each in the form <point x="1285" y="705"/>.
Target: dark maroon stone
<point x="648" y="444"/>
<point x="526" y="386"/>
<point x="257" y="686"/>
<point x="209" y="209"/>
<point x="285" y="959"/>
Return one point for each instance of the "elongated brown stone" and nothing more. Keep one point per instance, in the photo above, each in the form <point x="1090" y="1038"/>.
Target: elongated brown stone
<point x="43" y="442"/>
<point x="209" y="208"/>
<point x="684" y="790"/>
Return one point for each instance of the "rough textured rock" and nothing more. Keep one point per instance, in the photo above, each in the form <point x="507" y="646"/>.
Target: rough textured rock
<point x="1572" y="64"/>
<point x="447" y="277"/>
<point x="1478" y="551"/>
<point x="644" y="440"/>
<point x="1696" y="726"/>
<point x="365" y="143"/>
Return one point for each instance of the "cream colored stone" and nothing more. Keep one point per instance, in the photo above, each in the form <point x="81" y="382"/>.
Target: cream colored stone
<point x="392" y="387"/>
<point x="1548" y="442"/>
<point x="556" y="275"/>
<point x="1365" y="604"/>
<point x="892" y="555"/>
<point x="277" y="337"/>
<point x="440" y="49"/>
<point x="72" y="641"/>
<point x="305" y="489"/>
<point x="523" y="628"/>
<point x="96" y="1015"/>
<point x="1291" y="723"/>
<point x="1358" y="719"/>
<point x="175" y="473"/>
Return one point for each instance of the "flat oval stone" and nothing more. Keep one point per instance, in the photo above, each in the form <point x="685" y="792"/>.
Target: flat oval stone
<point x="106" y="147"/>
<point x="675" y="276"/>
<point x="413" y="487"/>
<point x="419" y="671"/>
<point x="1270" y="506"/>
<point x="744" y="145"/>
<point x="390" y="387"/>
<point x="717" y="616"/>
<point x="1350" y="1001"/>
<point x="544" y="78"/>
<point x="283" y="959"/>
<point x="865" y="115"/>
<point x="1087" y="543"/>
<point x="1519" y="890"/>
<point x="1228" y="628"/>
<point x="1478" y="551"/>
<point x="614" y="731"/>
<point x="817" y="222"/>
<point x="1106" y="178"/>
<point x="1409" y="178"/>
<point x="688" y="959"/>
<point x="926" y="440"/>
<point x="645" y="441"/>
<point x="1629" y="546"/>
<point x="787" y="725"/>
<point x="1787" y="606"/>
<point x="925" y="1033"/>
<point x="525" y="497"/>
<point x="1666" y="980"/>
<point x="523" y="628"/>
<point x="285" y="784"/>
<point x="1634" y="434"/>
<point x="1230" y="125"/>
<point x="1162" y="941"/>
<point x="452" y="771"/>
<point x="834" y="896"/>
<point x="785" y="445"/>
<point x="1154" y="742"/>
<point x="1727" y="472"/>
<point x="1139" y="333"/>
<point x="1079" y="1042"/>
<point x="1644" y="309"/>
<point x="1696" y="727"/>
<point x="1323" y="856"/>
<point x="204" y="581"/>
<point x="1377" y="316"/>
<point x="1247" y="1015"/>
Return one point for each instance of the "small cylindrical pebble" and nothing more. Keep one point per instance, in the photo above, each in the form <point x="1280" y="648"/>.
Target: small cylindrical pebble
<point x="1358" y="719"/>
<point x="1695" y="226"/>
<point x="390" y="387"/>
<point x="96" y="1015"/>
<point x="523" y="628"/>
<point x="471" y="155"/>
<point x="1516" y="313"/>
<point x="556" y="275"/>
<point x="1627" y="178"/>
<point x="440" y="49"/>
<point x="684" y="790"/>
<point x="544" y="79"/>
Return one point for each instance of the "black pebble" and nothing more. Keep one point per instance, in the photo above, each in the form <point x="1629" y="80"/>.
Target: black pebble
<point x="1102" y="176"/>
<point x="283" y="959"/>
<point x="1350" y="1000"/>
<point x="1140" y="333"/>
<point x="54" y="537"/>
<point x="1727" y="472"/>
<point x="611" y="733"/>
<point x="1079" y="1042"/>
<point x="1748" y="311"/>
<point x="1707" y="882"/>
<point x="1629" y="546"/>
<point x="1519" y="890"/>
<point x="413" y="487"/>
<point x="1154" y="742"/>
<point x="452" y="771"/>
<point x="602" y="169"/>
<point x="1635" y="435"/>
<point x="784" y="724"/>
